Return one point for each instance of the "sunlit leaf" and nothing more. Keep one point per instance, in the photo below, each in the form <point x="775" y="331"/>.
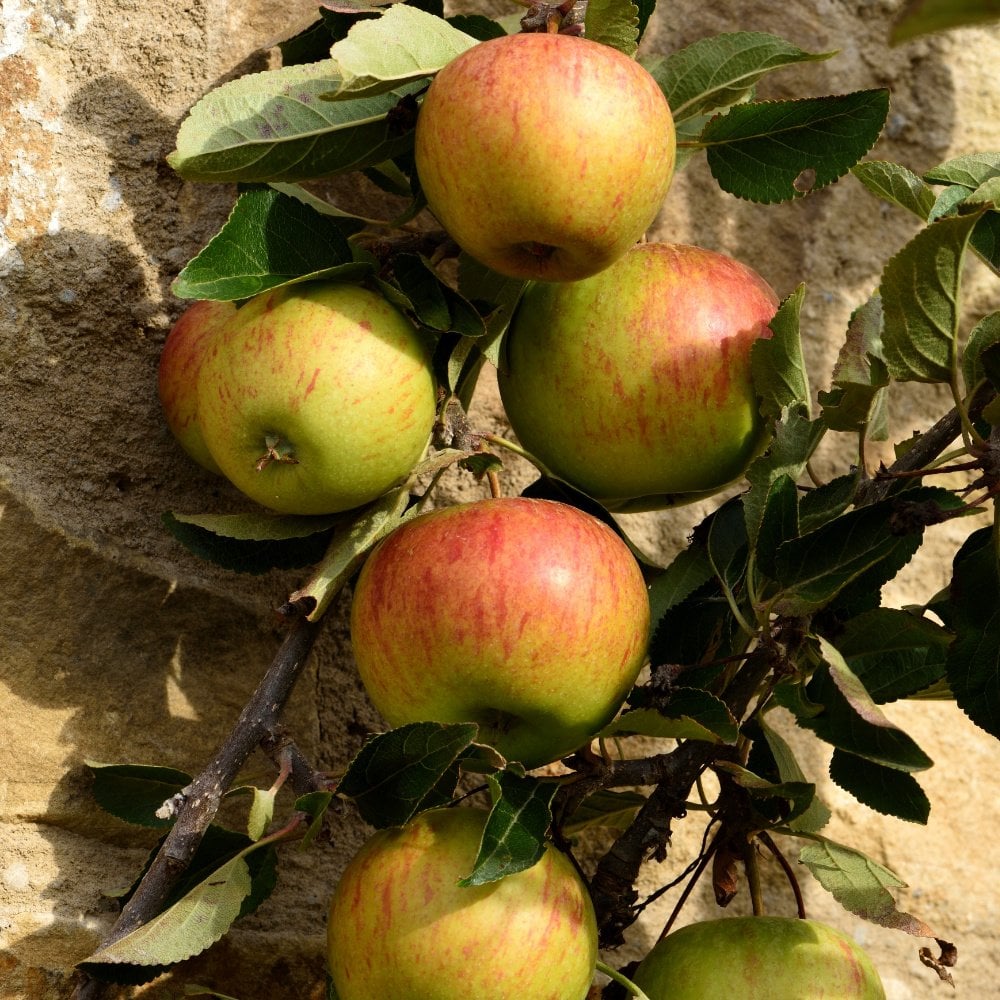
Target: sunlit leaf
<point x="920" y="17"/>
<point x="614" y="23"/>
<point x="920" y="298"/>
<point x="860" y="884"/>
<point x="403" y="45"/>
<point x="722" y="70"/>
<point x="896" y="184"/>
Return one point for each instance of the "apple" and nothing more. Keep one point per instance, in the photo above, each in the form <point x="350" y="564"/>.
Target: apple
<point x="177" y="380"/>
<point x="401" y="927"/>
<point x="316" y="398"/>
<point x="634" y="385"/>
<point x="543" y="155"/>
<point x="528" y="617"/>
<point x="758" y="958"/>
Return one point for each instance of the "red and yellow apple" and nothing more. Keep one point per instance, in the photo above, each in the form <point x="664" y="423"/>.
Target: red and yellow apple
<point x="758" y="958"/>
<point x="635" y="385"/>
<point x="528" y="617"/>
<point x="316" y="398"/>
<point x="544" y="156"/>
<point x="401" y="928"/>
<point x="177" y="380"/>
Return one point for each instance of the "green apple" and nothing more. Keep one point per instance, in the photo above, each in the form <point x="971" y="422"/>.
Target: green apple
<point x="177" y="380"/>
<point x="758" y="958"/>
<point x="316" y="398"/>
<point x="545" y="156"/>
<point x="634" y="385"/>
<point x="528" y="617"/>
<point x="401" y="928"/>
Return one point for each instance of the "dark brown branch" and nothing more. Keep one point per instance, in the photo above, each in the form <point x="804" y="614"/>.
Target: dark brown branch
<point x="925" y="449"/>
<point x="198" y="803"/>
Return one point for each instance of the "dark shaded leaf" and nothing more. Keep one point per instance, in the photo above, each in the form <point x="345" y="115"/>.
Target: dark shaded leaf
<point x="824" y="503"/>
<point x="759" y="151"/>
<point x="402" y="772"/>
<point x="514" y="836"/>
<point x="689" y="570"/>
<point x="779" y="524"/>
<point x="973" y="664"/>
<point x="851" y="721"/>
<point x="606" y="809"/>
<point x="884" y="789"/>
<point x="246" y="555"/>
<point x="920" y="17"/>
<point x="134" y="792"/>
<point x="689" y="713"/>
<point x="894" y="653"/>
<point x="270" y="239"/>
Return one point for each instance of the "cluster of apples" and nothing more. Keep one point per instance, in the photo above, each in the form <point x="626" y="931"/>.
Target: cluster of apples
<point x="625" y="372"/>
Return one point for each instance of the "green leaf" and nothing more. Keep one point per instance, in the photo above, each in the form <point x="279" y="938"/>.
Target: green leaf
<point x="778" y="365"/>
<point x="884" y="789"/>
<point x="514" y="835"/>
<point x="723" y="70"/>
<point x="779" y="523"/>
<point x="435" y="303"/>
<point x="920" y="298"/>
<point x="795" y="439"/>
<point x="919" y="17"/>
<point x="969" y="171"/>
<point x="814" y="568"/>
<point x="134" y="792"/>
<point x="862" y="886"/>
<point x="896" y="184"/>
<point x="191" y="925"/>
<point x="245" y="555"/>
<point x="261" y="813"/>
<point x="269" y="239"/>
<point x="689" y="569"/>
<point x="346" y="222"/>
<point x="606" y="809"/>
<point x="800" y="795"/>
<point x="727" y="545"/>
<point x="478" y="26"/>
<point x="690" y="713"/>
<point x="314" y="805"/>
<point x="894" y="653"/>
<point x="852" y="721"/>
<point x="495" y="298"/>
<point x="614" y="23"/>
<point x="402" y="772"/>
<point x="403" y="45"/>
<point x="816" y="815"/>
<point x="973" y="664"/>
<point x="948" y="201"/>
<point x="822" y="504"/>
<point x="774" y="151"/>
<point x="352" y="538"/>
<point x="984" y="335"/>
<point x="260" y="526"/>
<point x="275" y="126"/>
<point x="857" y="399"/>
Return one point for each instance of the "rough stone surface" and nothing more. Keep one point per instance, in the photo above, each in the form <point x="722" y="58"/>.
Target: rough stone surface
<point x="117" y="645"/>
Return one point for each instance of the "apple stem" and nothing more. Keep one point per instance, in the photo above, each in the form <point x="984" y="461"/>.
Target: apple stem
<point x="621" y="980"/>
<point x="692" y="882"/>
<point x="501" y="442"/>
<point x="277" y="451"/>
<point x="800" y="903"/>
<point x="753" y="879"/>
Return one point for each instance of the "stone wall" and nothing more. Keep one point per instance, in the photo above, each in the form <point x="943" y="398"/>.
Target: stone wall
<point x="117" y="645"/>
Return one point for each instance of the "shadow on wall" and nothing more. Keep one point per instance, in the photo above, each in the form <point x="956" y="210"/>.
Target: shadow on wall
<point x="104" y="663"/>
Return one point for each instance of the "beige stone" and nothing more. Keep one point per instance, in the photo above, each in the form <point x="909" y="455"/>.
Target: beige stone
<point x="117" y="645"/>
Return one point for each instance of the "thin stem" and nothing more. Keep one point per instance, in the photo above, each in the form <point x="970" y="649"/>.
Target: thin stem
<point x="502" y="442"/>
<point x="753" y="879"/>
<point x="621" y="980"/>
<point x="689" y="888"/>
<point x="768" y="842"/>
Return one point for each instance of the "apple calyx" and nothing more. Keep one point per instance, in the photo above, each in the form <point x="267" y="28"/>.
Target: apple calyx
<point x="278" y="450"/>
